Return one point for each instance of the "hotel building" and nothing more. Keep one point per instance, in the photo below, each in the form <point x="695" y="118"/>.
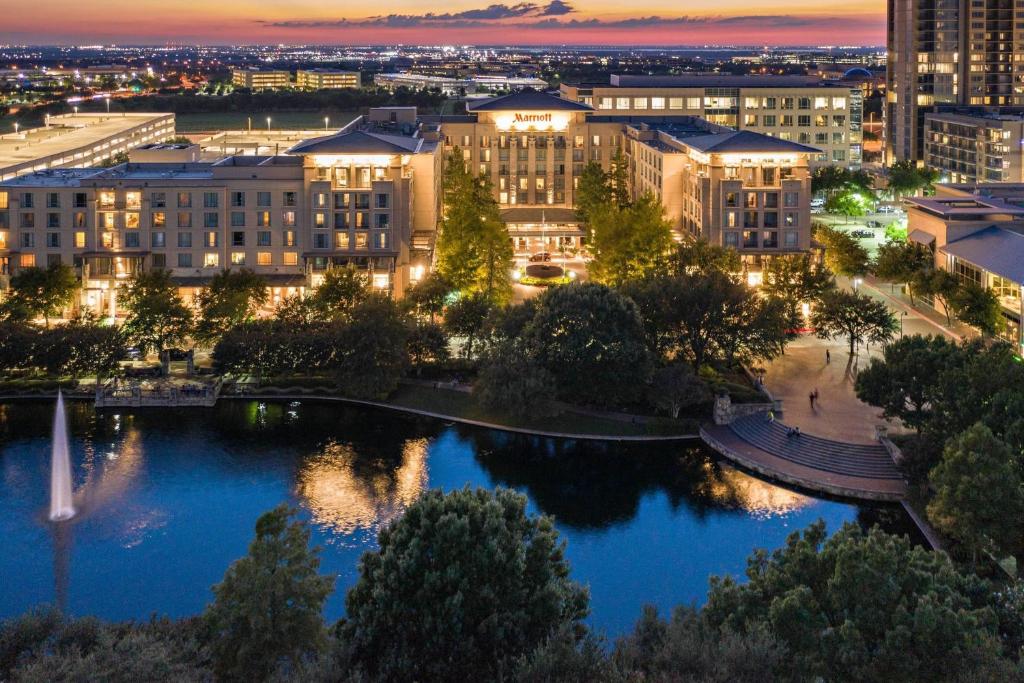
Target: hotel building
<point x="976" y="231"/>
<point x="79" y="140"/>
<point x="260" y="79"/>
<point x="456" y="86"/>
<point x="809" y="111"/>
<point x="948" y="52"/>
<point x="972" y="147"/>
<point x="734" y="188"/>
<point x="327" y="79"/>
<point x="367" y="195"/>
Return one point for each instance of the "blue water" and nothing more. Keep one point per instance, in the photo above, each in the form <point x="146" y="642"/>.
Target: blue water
<point x="168" y="500"/>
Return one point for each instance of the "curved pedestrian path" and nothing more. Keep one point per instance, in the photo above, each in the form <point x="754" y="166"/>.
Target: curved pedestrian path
<point x="836" y="467"/>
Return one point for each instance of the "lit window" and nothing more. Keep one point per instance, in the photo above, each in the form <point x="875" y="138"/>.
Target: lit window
<point x="211" y="260"/>
<point x="290" y="258"/>
<point x="238" y="258"/>
<point x="79" y="240"/>
<point x="27" y="260"/>
<point x="263" y="258"/>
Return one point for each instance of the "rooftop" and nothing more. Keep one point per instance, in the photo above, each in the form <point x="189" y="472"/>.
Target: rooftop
<point x="527" y="100"/>
<point x="997" y="250"/>
<point x="66" y="134"/>
<point x="964" y="208"/>
<point x="359" y="142"/>
<point x="718" y="81"/>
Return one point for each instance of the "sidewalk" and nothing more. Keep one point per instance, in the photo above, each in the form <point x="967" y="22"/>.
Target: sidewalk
<point x="920" y="318"/>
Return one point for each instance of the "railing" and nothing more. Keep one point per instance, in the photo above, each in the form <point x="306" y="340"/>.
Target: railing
<point x="116" y="395"/>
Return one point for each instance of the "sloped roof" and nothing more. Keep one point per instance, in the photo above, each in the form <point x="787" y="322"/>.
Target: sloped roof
<point x="358" y="142"/>
<point x="527" y="100"/>
<point x="995" y="249"/>
<point x="744" y="141"/>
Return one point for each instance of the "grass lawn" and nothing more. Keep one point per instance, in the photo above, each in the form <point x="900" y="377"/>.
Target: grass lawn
<point x="463" y="405"/>
<point x="234" y="120"/>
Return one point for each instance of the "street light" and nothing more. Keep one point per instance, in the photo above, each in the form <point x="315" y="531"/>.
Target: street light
<point x="903" y="314"/>
<point x="327" y="120"/>
<point x="268" y="123"/>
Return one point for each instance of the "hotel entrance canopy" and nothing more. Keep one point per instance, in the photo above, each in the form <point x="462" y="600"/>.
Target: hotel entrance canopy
<point x="541" y="222"/>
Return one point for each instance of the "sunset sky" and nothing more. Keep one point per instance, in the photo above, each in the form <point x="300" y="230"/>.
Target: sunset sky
<point x="576" y="22"/>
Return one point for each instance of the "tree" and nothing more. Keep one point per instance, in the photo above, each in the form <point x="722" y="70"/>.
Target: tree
<point x="593" y="192"/>
<point x="463" y="584"/>
<point x="906" y="178"/>
<point x="427" y="345"/>
<point x="843" y="254"/>
<point x="675" y="387"/>
<point x="157" y="317"/>
<point x="942" y="286"/>
<point x="466" y="317"/>
<point x="371" y="349"/>
<point x="473" y="249"/>
<point x="429" y="296"/>
<point x="978" y="498"/>
<point x="618" y="179"/>
<point x="629" y="243"/>
<point x="267" y="609"/>
<point x="708" y="317"/>
<point x="906" y="262"/>
<point x="849" y="203"/>
<point x="829" y="180"/>
<point x="862" y="606"/>
<point x="40" y="291"/>
<point x="700" y="257"/>
<point x="904" y="382"/>
<point x="590" y="338"/>
<point x="511" y="381"/>
<point x="341" y="290"/>
<point x="17" y="342"/>
<point x="231" y="297"/>
<point x="856" y="316"/>
<point x="978" y="306"/>
<point x="795" y="279"/>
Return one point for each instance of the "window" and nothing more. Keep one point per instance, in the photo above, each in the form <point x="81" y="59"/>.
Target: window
<point x="803" y="103"/>
<point x="791" y="199"/>
<point x="657" y="103"/>
<point x="133" y="201"/>
<point x="263" y="238"/>
<point x="750" y="200"/>
<point x="604" y="103"/>
<point x="341" y="240"/>
<point x="622" y="103"/>
<point x="107" y="221"/>
<point x="693" y="103"/>
<point x="28" y="240"/>
<point x="238" y="238"/>
<point x="159" y="219"/>
<point x="383" y="219"/>
<point x="320" y="200"/>
<point x="211" y="220"/>
<point x="210" y="200"/>
<point x="750" y="219"/>
<point x="53" y="220"/>
<point x="238" y="219"/>
<point x="159" y="261"/>
<point x="382" y="201"/>
<point x="770" y="239"/>
<point x="184" y="260"/>
<point x="803" y="121"/>
<point x="210" y="239"/>
<point x="341" y="221"/>
<point x="380" y="240"/>
<point x="360" y="240"/>
<point x="80" y="240"/>
<point x="750" y="239"/>
<point x="53" y="240"/>
<point x="211" y="259"/>
<point x="262" y="199"/>
<point x="184" y="200"/>
<point x="791" y="239"/>
<point x="289" y="238"/>
<point x="237" y="199"/>
<point x="732" y="239"/>
<point x="157" y="200"/>
<point x="769" y="120"/>
<point x="157" y="239"/>
<point x="131" y="221"/>
<point x="675" y="103"/>
<point x="27" y="260"/>
<point x="185" y="240"/>
<point x="264" y="258"/>
<point x="131" y="240"/>
<point x="640" y="103"/>
<point x="263" y="219"/>
<point x="320" y="240"/>
<point x="28" y="220"/>
<point x="790" y="219"/>
<point x="290" y="258"/>
<point x="52" y="260"/>
<point x="80" y="201"/>
<point x="52" y="200"/>
<point x="289" y="199"/>
<point x="320" y="220"/>
<point x="238" y="258"/>
<point x="288" y="218"/>
<point x="731" y="199"/>
<point x="79" y="219"/>
<point x="820" y="103"/>
<point x="184" y="220"/>
<point x="106" y="200"/>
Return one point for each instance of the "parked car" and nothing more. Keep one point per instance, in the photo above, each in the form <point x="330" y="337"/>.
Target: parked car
<point x="886" y="208"/>
<point x="862" y="234"/>
<point x="541" y="257"/>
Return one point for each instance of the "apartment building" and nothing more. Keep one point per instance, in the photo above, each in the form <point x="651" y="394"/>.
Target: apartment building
<point x="969" y="146"/>
<point x="79" y="140"/>
<point x="809" y="111"/>
<point x="366" y="196"/>
<point x="976" y="231"/>
<point x="327" y="79"/>
<point x="953" y="52"/>
<point x="261" y="79"/>
<point x="533" y="148"/>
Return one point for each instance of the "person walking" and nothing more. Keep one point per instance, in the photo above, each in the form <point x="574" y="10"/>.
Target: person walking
<point x="828" y="357"/>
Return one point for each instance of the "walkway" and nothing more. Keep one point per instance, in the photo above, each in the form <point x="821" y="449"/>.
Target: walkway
<point x="836" y="467"/>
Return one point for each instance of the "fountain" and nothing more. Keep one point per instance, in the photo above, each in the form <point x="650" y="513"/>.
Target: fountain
<point x="61" y="506"/>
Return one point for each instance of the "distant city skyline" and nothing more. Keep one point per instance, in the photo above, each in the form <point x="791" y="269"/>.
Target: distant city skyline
<point x="547" y="22"/>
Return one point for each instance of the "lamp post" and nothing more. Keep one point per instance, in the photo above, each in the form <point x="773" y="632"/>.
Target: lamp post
<point x="268" y="124"/>
<point x="903" y="314"/>
<point x="107" y="101"/>
<point x="16" y="126"/>
<point x="327" y="121"/>
<point x="75" y="109"/>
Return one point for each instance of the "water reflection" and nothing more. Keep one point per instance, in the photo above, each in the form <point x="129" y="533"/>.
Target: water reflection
<point x="594" y="485"/>
<point x="346" y="492"/>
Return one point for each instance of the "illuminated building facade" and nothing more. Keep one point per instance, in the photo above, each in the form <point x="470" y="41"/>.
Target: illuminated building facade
<point x="364" y="196"/>
<point x="327" y="79"/>
<point x="260" y="79"/>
